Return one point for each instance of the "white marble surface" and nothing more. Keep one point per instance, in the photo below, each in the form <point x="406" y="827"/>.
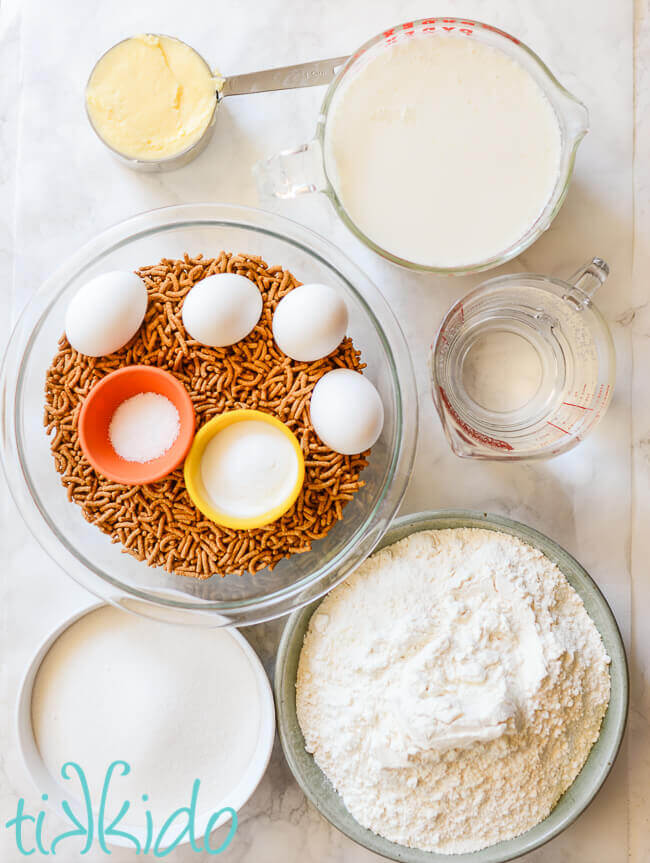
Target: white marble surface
<point x="59" y="188"/>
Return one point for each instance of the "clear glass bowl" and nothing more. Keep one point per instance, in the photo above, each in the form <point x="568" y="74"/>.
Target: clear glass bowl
<point x="81" y="549"/>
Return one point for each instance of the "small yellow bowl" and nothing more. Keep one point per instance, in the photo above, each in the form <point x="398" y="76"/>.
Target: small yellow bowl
<point x="194" y="482"/>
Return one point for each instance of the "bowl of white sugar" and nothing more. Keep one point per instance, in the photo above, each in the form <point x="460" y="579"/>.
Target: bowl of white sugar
<point x="176" y="721"/>
<point x="463" y="693"/>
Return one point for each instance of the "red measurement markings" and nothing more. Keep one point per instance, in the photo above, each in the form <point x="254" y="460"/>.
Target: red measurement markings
<point x="564" y="431"/>
<point x="471" y="433"/>
<point x="429" y="24"/>
<point x="582" y="407"/>
<point x="500" y="33"/>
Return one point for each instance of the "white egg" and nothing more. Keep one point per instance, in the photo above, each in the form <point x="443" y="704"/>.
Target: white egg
<point x="310" y="322"/>
<point x="346" y="411"/>
<point x="222" y="309"/>
<point x="106" y="313"/>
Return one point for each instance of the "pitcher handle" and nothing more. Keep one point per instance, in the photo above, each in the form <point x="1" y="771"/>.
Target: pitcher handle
<point x="586" y="281"/>
<point x="291" y="173"/>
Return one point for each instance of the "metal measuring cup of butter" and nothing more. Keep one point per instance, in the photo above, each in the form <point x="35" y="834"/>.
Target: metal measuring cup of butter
<point x="186" y="97"/>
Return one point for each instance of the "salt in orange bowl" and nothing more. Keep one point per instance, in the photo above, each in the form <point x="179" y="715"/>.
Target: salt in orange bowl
<point x="101" y="403"/>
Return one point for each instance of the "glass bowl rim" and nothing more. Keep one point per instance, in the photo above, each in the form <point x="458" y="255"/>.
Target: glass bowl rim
<point x="165" y="219"/>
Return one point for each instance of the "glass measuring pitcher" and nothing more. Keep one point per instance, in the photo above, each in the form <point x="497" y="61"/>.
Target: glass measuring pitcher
<point x="308" y="168"/>
<point x="523" y="366"/>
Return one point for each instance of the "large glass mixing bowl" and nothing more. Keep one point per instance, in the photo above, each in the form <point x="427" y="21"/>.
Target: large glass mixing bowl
<point x="86" y="554"/>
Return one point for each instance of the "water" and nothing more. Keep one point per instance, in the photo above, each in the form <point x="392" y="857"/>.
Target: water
<point x="501" y="371"/>
<point x="522" y="367"/>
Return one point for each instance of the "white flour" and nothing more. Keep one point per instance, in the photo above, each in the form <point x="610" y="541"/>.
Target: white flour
<point x="451" y="689"/>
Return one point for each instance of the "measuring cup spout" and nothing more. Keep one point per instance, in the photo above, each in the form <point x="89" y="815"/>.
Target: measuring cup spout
<point x="291" y="173"/>
<point x="586" y="281"/>
<point x="576" y="116"/>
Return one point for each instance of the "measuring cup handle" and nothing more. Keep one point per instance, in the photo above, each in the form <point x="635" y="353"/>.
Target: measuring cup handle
<point x="291" y="172"/>
<point x="586" y="281"/>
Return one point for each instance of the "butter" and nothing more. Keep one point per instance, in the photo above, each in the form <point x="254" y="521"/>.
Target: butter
<point x="151" y="97"/>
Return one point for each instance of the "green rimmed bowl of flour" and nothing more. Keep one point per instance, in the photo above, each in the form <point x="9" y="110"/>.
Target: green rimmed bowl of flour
<point x="574" y="801"/>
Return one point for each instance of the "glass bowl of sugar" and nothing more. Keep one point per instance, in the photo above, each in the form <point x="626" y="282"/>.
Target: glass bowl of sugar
<point x="88" y="555"/>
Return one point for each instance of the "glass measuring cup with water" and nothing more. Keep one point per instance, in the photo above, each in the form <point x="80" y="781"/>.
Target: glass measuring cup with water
<point x="523" y="366"/>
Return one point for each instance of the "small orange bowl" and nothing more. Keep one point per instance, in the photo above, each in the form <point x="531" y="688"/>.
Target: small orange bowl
<point x="101" y="403"/>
